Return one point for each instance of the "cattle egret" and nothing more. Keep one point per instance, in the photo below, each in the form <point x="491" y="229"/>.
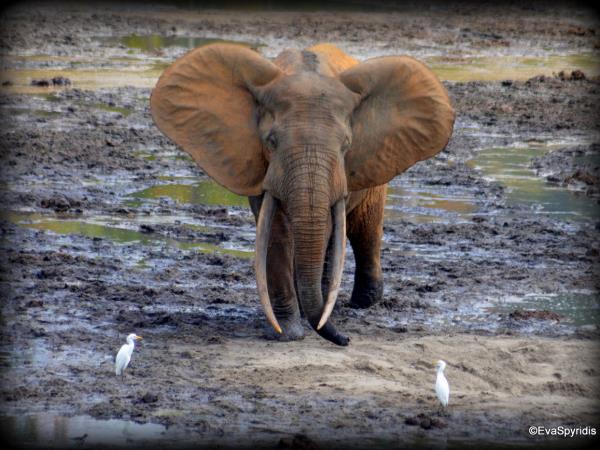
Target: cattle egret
<point x="442" y="389"/>
<point x="124" y="355"/>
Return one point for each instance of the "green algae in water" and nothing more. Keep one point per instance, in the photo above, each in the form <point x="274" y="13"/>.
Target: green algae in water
<point x="202" y="193"/>
<point x="52" y="98"/>
<point x="144" y="155"/>
<point x="115" y="109"/>
<point x="495" y="68"/>
<point x="510" y="166"/>
<point x="118" y="235"/>
<point x="154" y="42"/>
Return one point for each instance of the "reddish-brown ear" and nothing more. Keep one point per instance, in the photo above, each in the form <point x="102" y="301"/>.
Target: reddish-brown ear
<point x="204" y="103"/>
<point x="404" y="116"/>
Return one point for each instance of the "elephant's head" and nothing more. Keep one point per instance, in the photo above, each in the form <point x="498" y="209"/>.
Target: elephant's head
<point x="304" y="138"/>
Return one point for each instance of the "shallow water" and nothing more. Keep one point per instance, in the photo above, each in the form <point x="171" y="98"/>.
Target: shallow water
<point x="200" y="193"/>
<point x="116" y="232"/>
<point x="137" y="60"/>
<point x="511" y="167"/>
<point x="496" y="68"/>
<point x="422" y="204"/>
<point x="406" y="200"/>
<point x="154" y="42"/>
<point x="140" y="66"/>
<point x="37" y="355"/>
<point x="141" y="76"/>
<point x="417" y="202"/>
<point x="140" y="73"/>
<point x="578" y="308"/>
<point x="53" y="430"/>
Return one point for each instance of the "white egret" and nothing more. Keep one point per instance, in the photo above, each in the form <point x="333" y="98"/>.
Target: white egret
<point x="124" y="355"/>
<point x="442" y="389"/>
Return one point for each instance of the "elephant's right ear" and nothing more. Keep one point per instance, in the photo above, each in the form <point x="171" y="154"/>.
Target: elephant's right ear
<point x="204" y="103"/>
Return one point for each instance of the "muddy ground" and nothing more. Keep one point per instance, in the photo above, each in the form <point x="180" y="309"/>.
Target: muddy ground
<point x="205" y="371"/>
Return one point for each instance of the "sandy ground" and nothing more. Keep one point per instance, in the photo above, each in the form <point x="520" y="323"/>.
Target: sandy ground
<point x="204" y="370"/>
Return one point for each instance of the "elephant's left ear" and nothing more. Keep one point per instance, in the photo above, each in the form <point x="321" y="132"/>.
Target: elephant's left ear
<point x="404" y="116"/>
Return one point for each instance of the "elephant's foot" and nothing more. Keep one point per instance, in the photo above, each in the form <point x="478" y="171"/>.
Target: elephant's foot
<point x="292" y="330"/>
<point x="366" y="293"/>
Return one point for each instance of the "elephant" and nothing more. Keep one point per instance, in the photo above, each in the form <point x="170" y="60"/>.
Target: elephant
<point x="311" y="137"/>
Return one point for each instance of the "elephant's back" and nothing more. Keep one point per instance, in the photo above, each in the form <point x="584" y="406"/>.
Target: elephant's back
<point x="325" y="59"/>
<point x="336" y="59"/>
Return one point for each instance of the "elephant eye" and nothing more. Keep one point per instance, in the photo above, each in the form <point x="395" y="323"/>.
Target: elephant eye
<point x="346" y="145"/>
<point x="271" y="141"/>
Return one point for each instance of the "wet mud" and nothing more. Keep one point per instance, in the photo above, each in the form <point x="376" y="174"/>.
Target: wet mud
<point x="490" y="253"/>
<point x="575" y="168"/>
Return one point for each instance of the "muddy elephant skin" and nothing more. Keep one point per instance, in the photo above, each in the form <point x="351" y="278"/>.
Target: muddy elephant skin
<point x="312" y="138"/>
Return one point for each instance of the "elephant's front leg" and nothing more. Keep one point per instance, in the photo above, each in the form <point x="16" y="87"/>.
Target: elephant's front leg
<point x="365" y="231"/>
<point x="280" y="277"/>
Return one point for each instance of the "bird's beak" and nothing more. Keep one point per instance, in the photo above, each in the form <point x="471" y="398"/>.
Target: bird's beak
<point x="138" y="338"/>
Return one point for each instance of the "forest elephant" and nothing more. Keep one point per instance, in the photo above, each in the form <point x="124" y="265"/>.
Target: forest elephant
<point x="312" y="137"/>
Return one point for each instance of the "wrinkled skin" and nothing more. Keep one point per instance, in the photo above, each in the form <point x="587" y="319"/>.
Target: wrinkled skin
<point x="304" y="123"/>
<point x="312" y="138"/>
<point x="365" y="230"/>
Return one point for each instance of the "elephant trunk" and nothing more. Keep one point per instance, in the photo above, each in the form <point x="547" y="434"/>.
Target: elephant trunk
<point x="311" y="229"/>
<point x="311" y="195"/>
<point x="310" y="241"/>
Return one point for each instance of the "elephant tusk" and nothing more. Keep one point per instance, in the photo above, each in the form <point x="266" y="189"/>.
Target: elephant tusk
<point x="339" y="253"/>
<point x="263" y="233"/>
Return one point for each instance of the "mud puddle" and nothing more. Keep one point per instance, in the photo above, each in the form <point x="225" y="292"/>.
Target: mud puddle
<point x="512" y="167"/>
<point x="138" y="60"/>
<point x="59" y="431"/>
<point x="196" y="192"/>
<point x="155" y="42"/>
<point x="21" y="80"/>
<point x="546" y="313"/>
<point x="502" y="67"/>
<point x="130" y="60"/>
<point x="576" y="308"/>
<point x="421" y="204"/>
<point x="127" y="231"/>
<point x="140" y="73"/>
